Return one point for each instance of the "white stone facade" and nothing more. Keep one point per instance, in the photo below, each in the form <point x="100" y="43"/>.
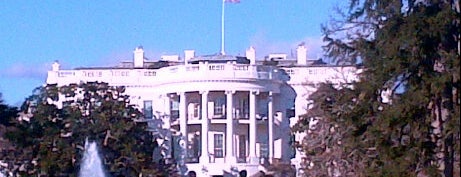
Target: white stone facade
<point x="241" y="110"/>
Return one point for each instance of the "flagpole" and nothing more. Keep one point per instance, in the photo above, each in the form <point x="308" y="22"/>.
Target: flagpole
<point x="222" y="28"/>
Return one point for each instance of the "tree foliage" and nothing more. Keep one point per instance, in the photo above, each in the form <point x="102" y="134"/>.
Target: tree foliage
<point x="324" y="129"/>
<point x="402" y="117"/>
<point x="49" y="139"/>
<point x="7" y="113"/>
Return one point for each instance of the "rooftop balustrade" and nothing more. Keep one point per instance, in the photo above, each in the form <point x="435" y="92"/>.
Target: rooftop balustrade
<point x="180" y="73"/>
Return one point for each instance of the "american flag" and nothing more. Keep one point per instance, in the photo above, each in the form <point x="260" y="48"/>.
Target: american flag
<point x="232" y="1"/>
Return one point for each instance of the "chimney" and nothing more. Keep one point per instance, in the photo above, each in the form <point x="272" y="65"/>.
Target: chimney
<point x="188" y="54"/>
<point x="301" y="54"/>
<point x="251" y="55"/>
<point x="138" y="57"/>
<point x="55" y="66"/>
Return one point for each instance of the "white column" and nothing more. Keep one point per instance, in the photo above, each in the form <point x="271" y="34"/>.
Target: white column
<point x="230" y="157"/>
<point x="252" y="126"/>
<point x="166" y="104"/>
<point x="183" y="119"/>
<point x="204" y="158"/>
<point x="270" y="116"/>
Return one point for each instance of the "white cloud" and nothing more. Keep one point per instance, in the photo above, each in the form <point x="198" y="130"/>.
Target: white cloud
<point x="26" y="70"/>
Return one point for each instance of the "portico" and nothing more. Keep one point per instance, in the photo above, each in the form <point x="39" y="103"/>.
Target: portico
<point x="227" y="120"/>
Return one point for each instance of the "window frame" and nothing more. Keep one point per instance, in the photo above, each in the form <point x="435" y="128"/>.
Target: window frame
<point x="218" y="139"/>
<point x="148" y="110"/>
<point x="219" y="106"/>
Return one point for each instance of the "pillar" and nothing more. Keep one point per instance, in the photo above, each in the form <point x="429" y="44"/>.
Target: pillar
<point x="204" y="158"/>
<point x="270" y="116"/>
<point x="252" y="126"/>
<point x="230" y="157"/>
<point x="167" y="119"/>
<point x="183" y="120"/>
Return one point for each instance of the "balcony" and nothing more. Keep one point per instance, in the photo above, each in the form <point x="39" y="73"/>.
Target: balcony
<point x="241" y="114"/>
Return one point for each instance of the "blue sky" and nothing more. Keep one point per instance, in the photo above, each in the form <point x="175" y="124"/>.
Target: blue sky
<point x="33" y="34"/>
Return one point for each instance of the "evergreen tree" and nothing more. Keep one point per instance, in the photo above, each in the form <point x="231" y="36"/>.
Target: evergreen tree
<point x="50" y="142"/>
<point x="324" y="130"/>
<point x="7" y="113"/>
<point x="402" y="117"/>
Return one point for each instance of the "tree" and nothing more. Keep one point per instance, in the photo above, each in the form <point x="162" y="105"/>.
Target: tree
<point x="402" y="117"/>
<point x="324" y="133"/>
<point x="51" y="141"/>
<point x="7" y="113"/>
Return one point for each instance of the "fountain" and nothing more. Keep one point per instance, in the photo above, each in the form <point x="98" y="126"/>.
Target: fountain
<point x="91" y="163"/>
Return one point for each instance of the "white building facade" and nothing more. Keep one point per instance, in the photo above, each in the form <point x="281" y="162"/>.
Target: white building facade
<point x="227" y="114"/>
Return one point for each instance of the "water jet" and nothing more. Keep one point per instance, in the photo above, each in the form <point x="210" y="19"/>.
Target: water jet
<point x="91" y="162"/>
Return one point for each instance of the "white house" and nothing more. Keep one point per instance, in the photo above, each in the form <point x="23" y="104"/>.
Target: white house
<point x="227" y="113"/>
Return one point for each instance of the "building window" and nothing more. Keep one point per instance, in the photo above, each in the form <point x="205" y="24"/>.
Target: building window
<point x="241" y="148"/>
<point x="243" y="108"/>
<point x="193" y="110"/>
<point x="193" y="149"/>
<point x="264" y="150"/>
<point x="196" y="111"/>
<point x="147" y="109"/>
<point x="174" y="108"/>
<point x="218" y="146"/>
<point x="219" y="104"/>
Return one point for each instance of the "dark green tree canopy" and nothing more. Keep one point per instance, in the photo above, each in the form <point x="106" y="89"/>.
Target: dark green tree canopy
<point x="402" y="117"/>
<point x="49" y="137"/>
<point x="7" y="113"/>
